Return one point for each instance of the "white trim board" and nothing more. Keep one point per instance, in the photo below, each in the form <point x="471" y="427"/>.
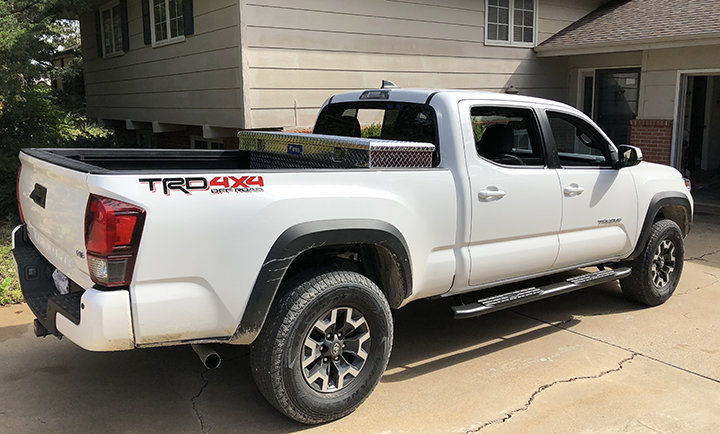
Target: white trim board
<point x="679" y="109"/>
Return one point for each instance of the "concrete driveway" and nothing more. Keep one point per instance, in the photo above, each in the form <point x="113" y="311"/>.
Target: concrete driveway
<point x="588" y="361"/>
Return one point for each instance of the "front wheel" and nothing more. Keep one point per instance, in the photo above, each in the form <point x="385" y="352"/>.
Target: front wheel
<point x="324" y="347"/>
<point x="656" y="272"/>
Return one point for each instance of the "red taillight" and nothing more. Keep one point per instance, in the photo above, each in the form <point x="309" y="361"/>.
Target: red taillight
<point x="17" y="190"/>
<point x="112" y="237"/>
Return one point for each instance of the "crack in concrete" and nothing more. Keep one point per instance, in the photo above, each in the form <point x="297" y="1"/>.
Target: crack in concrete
<point x="198" y="413"/>
<point x="558" y="325"/>
<point x="648" y="426"/>
<point x="702" y="257"/>
<point x="699" y="288"/>
<point x="540" y="389"/>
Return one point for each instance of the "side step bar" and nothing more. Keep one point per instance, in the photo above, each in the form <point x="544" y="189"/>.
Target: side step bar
<point x="528" y="295"/>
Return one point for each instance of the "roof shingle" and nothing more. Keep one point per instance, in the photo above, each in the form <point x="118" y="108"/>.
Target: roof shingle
<point x="639" y="21"/>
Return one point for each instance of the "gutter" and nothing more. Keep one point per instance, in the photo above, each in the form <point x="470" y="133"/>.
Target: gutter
<point x="630" y="45"/>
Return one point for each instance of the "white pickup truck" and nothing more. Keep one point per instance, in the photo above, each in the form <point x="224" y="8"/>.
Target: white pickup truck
<point x="301" y="244"/>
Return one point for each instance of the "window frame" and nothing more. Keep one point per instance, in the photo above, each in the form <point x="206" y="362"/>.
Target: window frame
<point x="511" y="24"/>
<point x="210" y="142"/>
<point x="169" y="40"/>
<point x="594" y="132"/>
<point x="542" y="142"/>
<point x="117" y="51"/>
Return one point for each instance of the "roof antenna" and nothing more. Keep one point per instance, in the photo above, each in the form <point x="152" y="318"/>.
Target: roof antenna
<point x="387" y="84"/>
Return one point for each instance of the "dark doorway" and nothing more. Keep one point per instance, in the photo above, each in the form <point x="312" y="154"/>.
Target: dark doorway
<point x="692" y="152"/>
<point x="616" y="101"/>
<point x="700" y="156"/>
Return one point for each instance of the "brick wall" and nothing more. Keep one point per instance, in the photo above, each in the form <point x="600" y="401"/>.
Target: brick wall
<point x="654" y="137"/>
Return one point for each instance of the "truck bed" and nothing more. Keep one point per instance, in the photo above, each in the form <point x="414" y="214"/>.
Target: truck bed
<point x="126" y="161"/>
<point x="257" y="150"/>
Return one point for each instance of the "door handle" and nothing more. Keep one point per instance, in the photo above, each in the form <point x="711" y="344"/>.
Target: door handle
<point x="490" y="194"/>
<point x="573" y="190"/>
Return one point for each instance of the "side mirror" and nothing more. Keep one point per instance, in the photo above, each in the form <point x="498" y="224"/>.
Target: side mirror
<point x="629" y="156"/>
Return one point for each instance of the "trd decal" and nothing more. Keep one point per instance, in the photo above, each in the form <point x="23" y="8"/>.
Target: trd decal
<point x="217" y="185"/>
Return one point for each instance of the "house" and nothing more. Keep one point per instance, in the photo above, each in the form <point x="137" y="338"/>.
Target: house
<point x="184" y="72"/>
<point x="648" y="71"/>
<point x="69" y="85"/>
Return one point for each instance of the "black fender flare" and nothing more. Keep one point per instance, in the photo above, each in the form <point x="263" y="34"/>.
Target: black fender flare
<point x="306" y="236"/>
<point x="659" y="201"/>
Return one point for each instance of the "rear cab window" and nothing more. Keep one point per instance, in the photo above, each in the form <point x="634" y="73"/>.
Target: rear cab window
<point x="409" y="122"/>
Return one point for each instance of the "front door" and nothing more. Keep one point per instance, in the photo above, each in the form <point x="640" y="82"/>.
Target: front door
<point x="516" y="201"/>
<point x="599" y="203"/>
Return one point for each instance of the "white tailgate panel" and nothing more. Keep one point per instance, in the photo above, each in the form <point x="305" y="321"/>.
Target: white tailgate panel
<point x="57" y="230"/>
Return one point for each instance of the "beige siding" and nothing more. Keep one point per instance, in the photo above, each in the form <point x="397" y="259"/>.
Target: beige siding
<point x="658" y="82"/>
<point x="555" y="15"/>
<point x="661" y="72"/>
<point x="195" y="82"/>
<point x="299" y="55"/>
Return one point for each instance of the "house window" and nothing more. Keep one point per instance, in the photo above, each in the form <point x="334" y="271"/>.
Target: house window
<point x="202" y="143"/>
<point x="146" y="139"/>
<point x="111" y="30"/>
<point x="510" y="22"/>
<point x="611" y="98"/>
<point x="167" y="21"/>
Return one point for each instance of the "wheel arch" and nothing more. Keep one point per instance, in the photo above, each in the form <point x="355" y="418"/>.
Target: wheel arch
<point x="384" y="240"/>
<point x="667" y="205"/>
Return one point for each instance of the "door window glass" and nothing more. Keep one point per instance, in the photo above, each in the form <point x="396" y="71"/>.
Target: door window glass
<point x="577" y="142"/>
<point x="507" y="136"/>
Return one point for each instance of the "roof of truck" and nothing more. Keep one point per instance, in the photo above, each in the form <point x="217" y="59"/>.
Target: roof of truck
<point x="426" y="95"/>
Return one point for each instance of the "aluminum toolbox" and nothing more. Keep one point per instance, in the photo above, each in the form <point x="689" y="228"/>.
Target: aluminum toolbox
<point x="271" y="150"/>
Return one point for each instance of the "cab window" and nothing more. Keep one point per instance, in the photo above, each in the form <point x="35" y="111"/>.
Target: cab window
<point x="507" y="136"/>
<point x="578" y="144"/>
<point x="381" y="120"/>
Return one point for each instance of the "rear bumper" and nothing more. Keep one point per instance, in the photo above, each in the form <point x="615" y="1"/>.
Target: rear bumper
<point x="95" y="320"/>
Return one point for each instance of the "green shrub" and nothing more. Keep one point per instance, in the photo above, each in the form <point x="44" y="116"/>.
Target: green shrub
<point x="9" y="285"/>
<point x="373" y="130"/>
<point x="35" y="119"/>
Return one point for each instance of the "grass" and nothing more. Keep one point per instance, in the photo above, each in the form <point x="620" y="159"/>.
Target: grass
<point x="9" y="285"/>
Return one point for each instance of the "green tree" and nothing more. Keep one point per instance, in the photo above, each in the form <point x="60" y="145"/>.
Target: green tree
<point x="31" y="32"/>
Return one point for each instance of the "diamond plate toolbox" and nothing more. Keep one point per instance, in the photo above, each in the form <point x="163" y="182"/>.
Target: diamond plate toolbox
<point x="273" y="150"/>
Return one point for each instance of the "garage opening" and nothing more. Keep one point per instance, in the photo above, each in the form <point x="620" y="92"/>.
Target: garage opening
<point x="699" y="156"/>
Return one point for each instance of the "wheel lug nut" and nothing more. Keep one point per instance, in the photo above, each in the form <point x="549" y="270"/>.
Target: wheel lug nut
<point x="337" y="358"/>
<point x="343" y="345"/>
<point x="325" y="359"/>
<point x="329" y="336"/>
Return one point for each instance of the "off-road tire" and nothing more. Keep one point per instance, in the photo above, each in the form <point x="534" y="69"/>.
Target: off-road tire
<point x="639" y="286"/>
<point x="277" y="354"/>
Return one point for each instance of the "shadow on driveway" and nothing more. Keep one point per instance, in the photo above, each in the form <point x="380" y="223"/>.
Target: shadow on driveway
<point x="47" y="384"/>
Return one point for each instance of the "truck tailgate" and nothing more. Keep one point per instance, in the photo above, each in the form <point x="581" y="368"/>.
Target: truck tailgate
<point x="53" y="201"/>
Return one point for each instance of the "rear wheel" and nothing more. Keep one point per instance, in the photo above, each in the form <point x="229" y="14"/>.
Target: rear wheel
<point x="324" y="347"/>
<point x="656" y="272"/>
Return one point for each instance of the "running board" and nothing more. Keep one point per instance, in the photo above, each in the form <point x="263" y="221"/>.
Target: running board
<point x="528" y="295"/>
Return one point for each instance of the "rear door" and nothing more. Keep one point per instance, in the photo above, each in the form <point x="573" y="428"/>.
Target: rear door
<point x="53" y="201"/>
<point x="599" y="202"/>
<point x="516" y="201"/>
